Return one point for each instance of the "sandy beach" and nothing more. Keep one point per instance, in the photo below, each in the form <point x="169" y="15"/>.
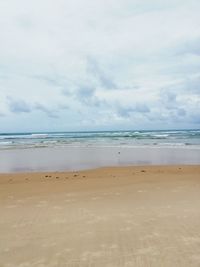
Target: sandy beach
<point x="122" y="216"/>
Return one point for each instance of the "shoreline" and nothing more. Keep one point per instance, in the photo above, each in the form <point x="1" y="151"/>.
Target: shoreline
<point x="115" y="167"/>
<point x="80" y="158"/>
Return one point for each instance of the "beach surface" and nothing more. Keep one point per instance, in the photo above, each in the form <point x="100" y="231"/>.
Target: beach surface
<point x="113" y="216"/>
<point x="72" y="158"/>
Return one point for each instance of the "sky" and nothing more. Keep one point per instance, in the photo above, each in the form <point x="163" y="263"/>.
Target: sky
<point x="78" y="65"/>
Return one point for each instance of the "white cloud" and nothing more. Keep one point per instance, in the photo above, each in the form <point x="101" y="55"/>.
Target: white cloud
<point x="99" y="64"/>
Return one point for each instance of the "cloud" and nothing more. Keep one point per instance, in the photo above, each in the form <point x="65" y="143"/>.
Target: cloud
<point x="114" y="64"/>
<point x="102" y="77"/>
<point x="128" y="111"/>
<point x="18" y="106"/>
<point x="48" y="79"/>
<point x="86" y="96"/>
<point x="168" y="99"/>
<point x="85" y="92"/>
<point x="190" y="47"/>
<point x="181" y="112"/>
<point x="196" y="118"/>
<point x="192" y="85"/>
<point x="49" y="112"/>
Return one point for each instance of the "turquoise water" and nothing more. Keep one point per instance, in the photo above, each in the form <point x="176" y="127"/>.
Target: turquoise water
<point x="167" y="138"/>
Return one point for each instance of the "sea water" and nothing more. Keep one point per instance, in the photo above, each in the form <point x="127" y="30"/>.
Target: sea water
<point x="156" y="138"/>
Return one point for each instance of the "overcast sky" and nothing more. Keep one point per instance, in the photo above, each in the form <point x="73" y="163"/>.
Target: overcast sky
<point x="99" y="64"/>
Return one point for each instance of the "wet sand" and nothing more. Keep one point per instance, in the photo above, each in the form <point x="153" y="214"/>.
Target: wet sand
<point x="122" y="216"/>
<point x="71" y="158"/>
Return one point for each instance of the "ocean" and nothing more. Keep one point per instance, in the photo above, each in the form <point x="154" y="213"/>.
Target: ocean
<point x="155" y="138"/>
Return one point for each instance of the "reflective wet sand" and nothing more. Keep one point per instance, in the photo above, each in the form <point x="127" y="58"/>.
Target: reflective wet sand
<point x="77" y="158"/>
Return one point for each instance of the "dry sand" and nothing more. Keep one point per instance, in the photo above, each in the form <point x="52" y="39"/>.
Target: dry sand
<point x="130" y="216"/>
